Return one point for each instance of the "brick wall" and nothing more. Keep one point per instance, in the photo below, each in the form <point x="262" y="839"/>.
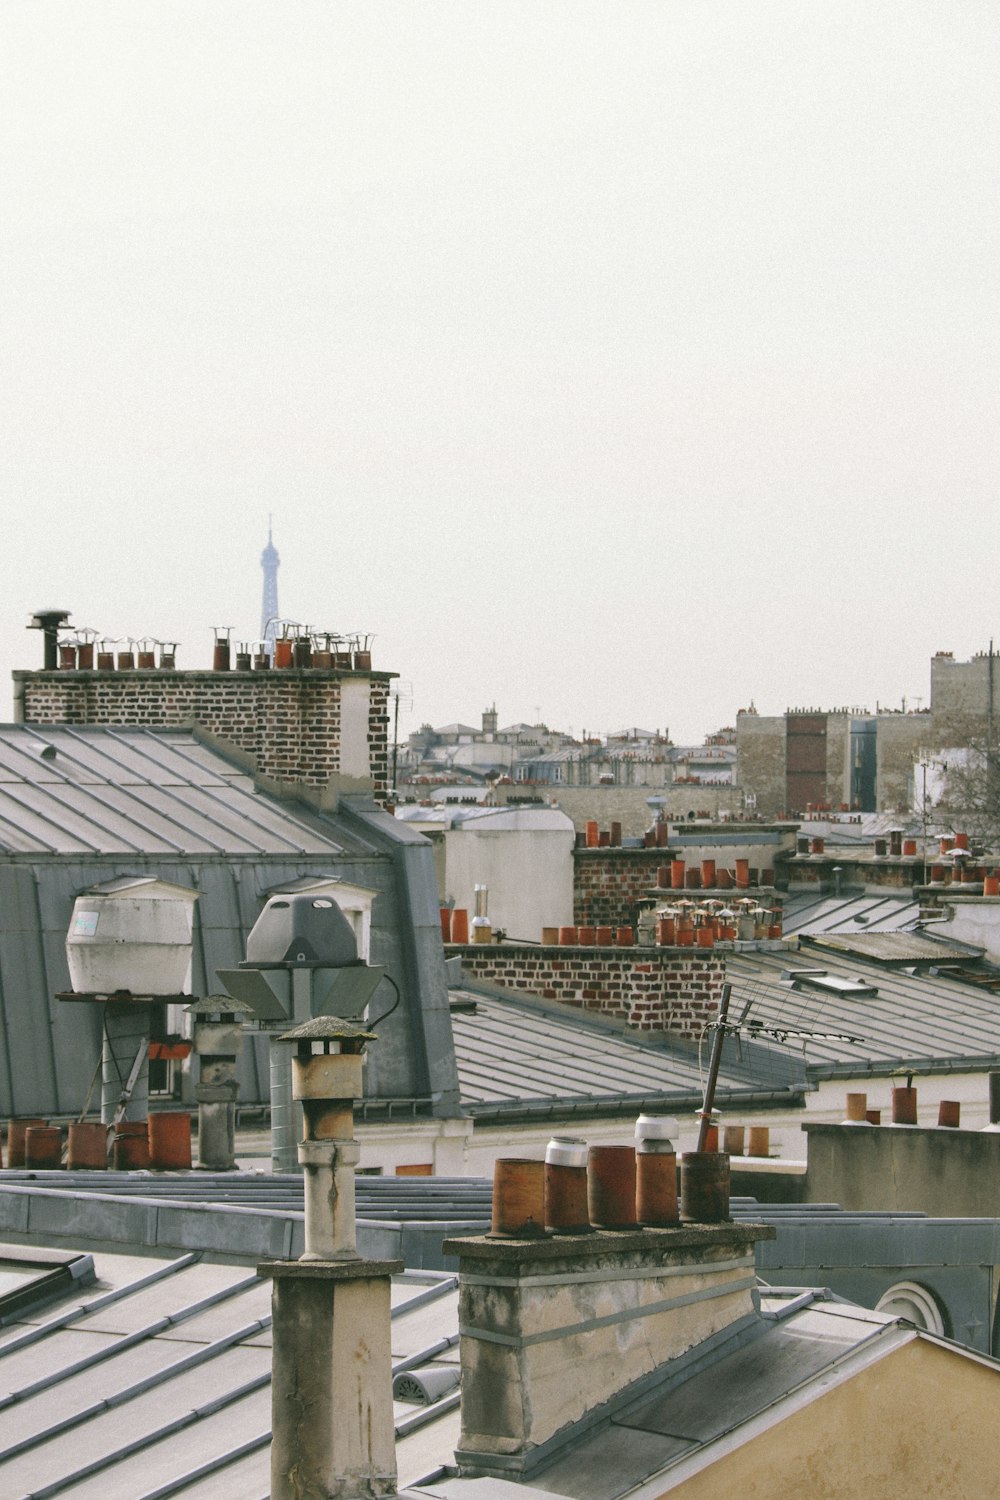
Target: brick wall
<point x="608" y="884"/>
<point x="652" y="989"/>
<point x="378" y="735"/>
<point x="288" y="722"/>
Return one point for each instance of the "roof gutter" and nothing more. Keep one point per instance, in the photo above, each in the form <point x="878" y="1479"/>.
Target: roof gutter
<point x="891" y="1067"/>
<point x="629" y="1105"/>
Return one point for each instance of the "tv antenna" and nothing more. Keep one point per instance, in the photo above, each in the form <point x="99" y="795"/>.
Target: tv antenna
<point x="401" y="694"/>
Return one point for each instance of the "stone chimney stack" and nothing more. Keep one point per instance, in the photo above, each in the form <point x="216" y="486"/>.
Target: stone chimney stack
<point x="331" y="1387"/>
<point x="555" y="1329"/>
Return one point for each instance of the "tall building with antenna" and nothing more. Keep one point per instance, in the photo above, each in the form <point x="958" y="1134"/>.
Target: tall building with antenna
<point x="270" y="563"/>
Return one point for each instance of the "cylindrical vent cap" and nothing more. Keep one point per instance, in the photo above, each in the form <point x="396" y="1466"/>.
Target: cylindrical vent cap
<point x="566" y="1151"/>
<point x="655" y="1128"/>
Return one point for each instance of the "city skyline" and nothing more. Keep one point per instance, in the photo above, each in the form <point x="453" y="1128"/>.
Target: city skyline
<point x="626" y="364"/>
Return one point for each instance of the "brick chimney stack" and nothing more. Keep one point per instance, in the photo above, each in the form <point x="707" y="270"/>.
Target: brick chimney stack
<point x="312" y="730"/>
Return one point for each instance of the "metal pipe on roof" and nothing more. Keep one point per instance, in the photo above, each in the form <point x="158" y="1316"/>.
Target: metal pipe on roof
<point x="48" y="622"/>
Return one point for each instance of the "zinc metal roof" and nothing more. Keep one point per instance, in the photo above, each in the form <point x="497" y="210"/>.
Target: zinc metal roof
<point x="920" y="1022"/>
<point x="516" y="1053"/>
<point x="155" y="1381"/>
<point x="137" y="803"/>
<point x="159" y="1382"/>
<point x="99" y="790"/>
<point x="812" y="913"/>
<point x="244" y="1214"/>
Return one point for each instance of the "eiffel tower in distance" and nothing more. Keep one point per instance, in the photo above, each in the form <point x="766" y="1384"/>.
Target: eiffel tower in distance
<point x="270" y="563"/>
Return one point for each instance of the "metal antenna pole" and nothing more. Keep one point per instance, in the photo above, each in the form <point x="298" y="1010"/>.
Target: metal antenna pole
<point x="715" y="1062"/>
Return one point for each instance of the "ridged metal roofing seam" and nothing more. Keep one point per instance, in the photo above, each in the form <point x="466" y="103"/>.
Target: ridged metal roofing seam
<point x="506" y="1053"/>
<point x="914" y="1017"/>
<point x="157" y="794"/>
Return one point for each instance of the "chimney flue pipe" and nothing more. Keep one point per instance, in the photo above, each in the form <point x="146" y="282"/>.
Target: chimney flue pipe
<point x="48" y="622"/>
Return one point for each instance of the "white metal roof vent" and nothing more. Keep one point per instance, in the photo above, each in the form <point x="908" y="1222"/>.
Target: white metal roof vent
<point x="132" y="933"/>
<point x="424" y="1386"/>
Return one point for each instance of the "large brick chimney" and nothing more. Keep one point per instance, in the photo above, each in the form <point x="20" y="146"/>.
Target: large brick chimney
<point x="314" y="730"/>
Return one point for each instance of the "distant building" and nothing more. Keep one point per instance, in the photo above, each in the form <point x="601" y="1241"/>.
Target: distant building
<point x="852" y="759"/>
<point x="462" y="752"/>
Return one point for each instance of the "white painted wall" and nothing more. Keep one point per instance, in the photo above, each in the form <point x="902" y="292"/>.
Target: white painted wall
<point x="975" y="919"/>
<point x="529" y="871"/>
<point x="355" y="706"/>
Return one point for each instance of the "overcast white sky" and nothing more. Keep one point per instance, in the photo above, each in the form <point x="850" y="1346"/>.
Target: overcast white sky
<point x="619" y="362"/>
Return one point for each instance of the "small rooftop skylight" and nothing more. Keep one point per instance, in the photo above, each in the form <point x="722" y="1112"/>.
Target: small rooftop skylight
<point x="832" y="984"/>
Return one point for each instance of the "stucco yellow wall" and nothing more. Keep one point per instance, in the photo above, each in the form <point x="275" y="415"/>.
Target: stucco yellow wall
<point x="921" y="1422"/>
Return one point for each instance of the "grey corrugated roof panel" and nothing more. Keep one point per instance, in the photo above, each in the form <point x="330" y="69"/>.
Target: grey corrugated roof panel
<point x="895" y="947"/>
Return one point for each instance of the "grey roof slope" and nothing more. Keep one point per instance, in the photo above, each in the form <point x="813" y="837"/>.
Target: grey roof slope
<point x="80" y="806"/>
<point x="154" y="1382"/>
<point x="922" y="1021"/>
<point x="811" y="913"/>
<point x="520" y="1055"/>
<point x="99" y="790"/>
<point x="158" y="1382"/>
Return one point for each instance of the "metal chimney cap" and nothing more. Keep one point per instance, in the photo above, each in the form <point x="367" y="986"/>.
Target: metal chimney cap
<point x="327" y="1029"/>
<point x="44" y="619"/>
<point x="211" y="1005"/>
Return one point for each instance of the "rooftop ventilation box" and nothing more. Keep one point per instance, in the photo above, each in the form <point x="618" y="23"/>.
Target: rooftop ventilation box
<point x="302" y="929"/>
